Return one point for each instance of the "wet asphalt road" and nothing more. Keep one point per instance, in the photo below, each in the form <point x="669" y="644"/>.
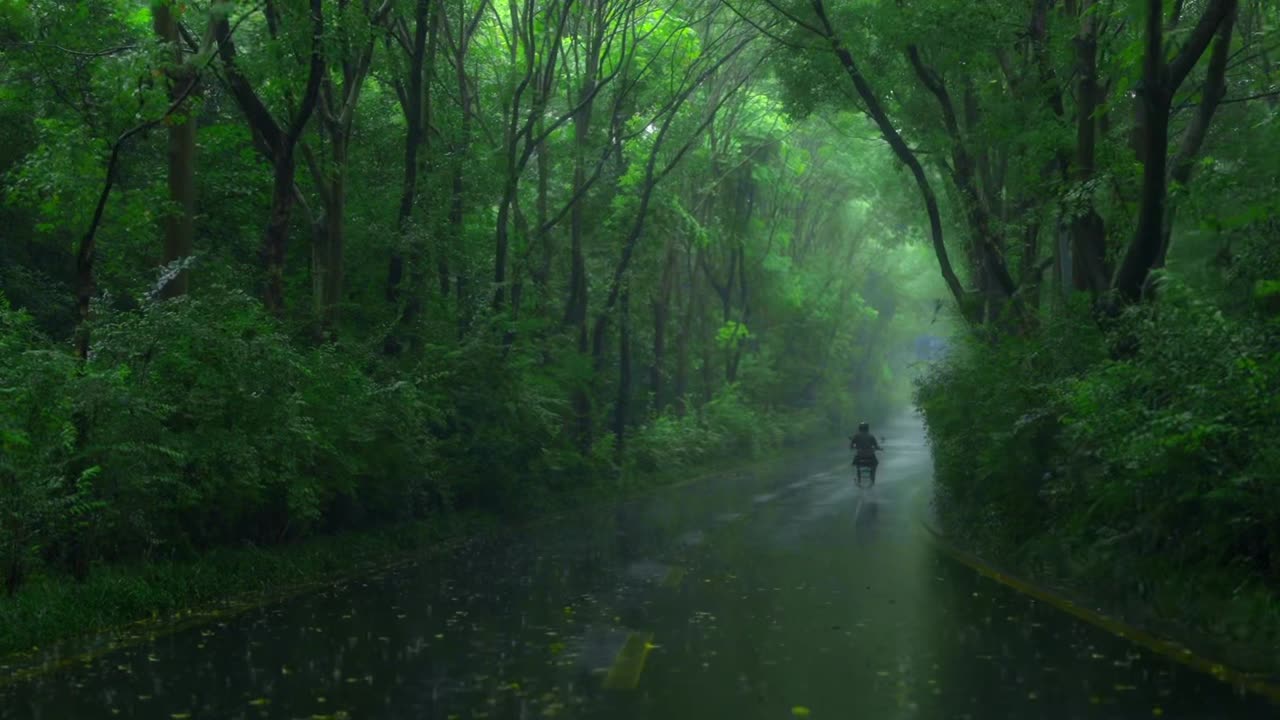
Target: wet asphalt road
<point x="782" y="593"/>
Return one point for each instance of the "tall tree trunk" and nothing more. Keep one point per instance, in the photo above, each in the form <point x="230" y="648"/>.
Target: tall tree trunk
<point x="416" y="102"/>
<point x="576" y="307"/>
<point x="337" y="110"/>
<point x="280" y="145"/>
<point x="179" y="221"/>
<point x="275" y="239"/>
<point x="1160" y="80"/>
<point x="680" y="384"/>
<point x="454" y="248"/>
<point x="744" y="309"/>
<point x="661" y="306"/>
<point x="328" y="266"/>
<point x="542" y="272"/>
<point x="1088" y="230"/>
<point x="1215" y="89"/>
<point x="707" y="368"/>
<point x="622" y="410"/>
<point x="503" y="240"/>
<point x="575" y="314"/>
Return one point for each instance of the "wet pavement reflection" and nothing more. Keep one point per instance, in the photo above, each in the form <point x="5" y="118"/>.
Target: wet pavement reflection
<point x="785" y="592"/>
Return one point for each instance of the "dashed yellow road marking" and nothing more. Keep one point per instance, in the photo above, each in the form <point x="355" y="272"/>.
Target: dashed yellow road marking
<point x="629" y="664"/>
<point x="674" y="576"/>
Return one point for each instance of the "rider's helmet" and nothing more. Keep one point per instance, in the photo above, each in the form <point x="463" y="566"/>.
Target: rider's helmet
<point x="864" y="427"/>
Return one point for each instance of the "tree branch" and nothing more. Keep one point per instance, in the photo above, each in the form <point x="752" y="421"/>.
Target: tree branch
<point x="1181" y="65"/>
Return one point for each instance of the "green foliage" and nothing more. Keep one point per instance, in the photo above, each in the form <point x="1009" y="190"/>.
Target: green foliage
<point x="196" y="424"/>
<point x="728" y="426"/>
<point x="37" y="438"/>
<point x="995" y="430"/>
<point x="1087" y="453"/>
<point x="498" y="436"/>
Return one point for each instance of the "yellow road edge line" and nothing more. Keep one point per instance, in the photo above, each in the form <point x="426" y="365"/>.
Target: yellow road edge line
<point x="121" y="641"/>
<point x="629" y="663"/>
<point x="1160" y="646"/>
<point x="27" y="667"/>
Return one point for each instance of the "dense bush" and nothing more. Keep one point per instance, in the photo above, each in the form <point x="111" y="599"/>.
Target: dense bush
<point x="725" y="426"/>
<point x="193" y="424"/>
<point x="1106" y="452"/>
<point x="36" y="440"/>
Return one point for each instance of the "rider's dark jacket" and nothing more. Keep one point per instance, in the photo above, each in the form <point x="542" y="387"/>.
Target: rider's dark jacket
<point x="864" y="444"/>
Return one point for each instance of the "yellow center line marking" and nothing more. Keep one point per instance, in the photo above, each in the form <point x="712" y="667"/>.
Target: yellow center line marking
<point x="674" y="576"/>
<point x="1166" y="648"/>
<point x="629" y="664"/>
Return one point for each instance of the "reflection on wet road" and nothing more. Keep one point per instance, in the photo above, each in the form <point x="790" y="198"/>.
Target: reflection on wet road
<point x="783" y="593"/>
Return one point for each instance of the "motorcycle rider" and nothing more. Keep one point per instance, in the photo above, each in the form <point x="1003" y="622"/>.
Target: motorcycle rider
<point x="864" y="445"/>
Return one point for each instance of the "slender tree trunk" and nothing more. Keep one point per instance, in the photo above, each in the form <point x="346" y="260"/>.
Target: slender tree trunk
<point x="661" y="306"/>
<point x="680" y="385"/>
<point x="417" y="110"/>
<point x="542" y="273"/>
<point x="576" y="308"/>
<point x="281" y="144"/>
<point x="502" y="239"/>
<point x="622" y="411"/>
<point x="458" y="185"/>
<point x="1160" y="80"/>
<point x="707" y="369"/>
<point x="1183" y="164"/>
<point x="457" y="235"/>
<point x="275" y="239"/>
<point x="333" y="239"/>
<point x="179" y="222"/>
<point x="575" y="314"/>
<point x="1088" y="230"/>
<point x="739" y="344"/>
<point x="1154" y="108"/>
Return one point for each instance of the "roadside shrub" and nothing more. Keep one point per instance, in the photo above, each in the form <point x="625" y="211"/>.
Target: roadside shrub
<point x="500" y="430"/>
<point x="1090" y="449"/>
<point x="725" y="427"/>
<point x="991" y="414"/>
<point x="1183" y="436"/>
<point x="194" y="423"/>
<point x="36" y="440"/>
<point x="671" y="442"/>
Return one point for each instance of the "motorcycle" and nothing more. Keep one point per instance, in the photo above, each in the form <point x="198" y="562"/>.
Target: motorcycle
<point x="864" y="472"/>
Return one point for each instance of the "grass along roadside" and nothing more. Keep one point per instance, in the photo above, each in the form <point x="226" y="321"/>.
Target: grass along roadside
<point x="54" y="620"/>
